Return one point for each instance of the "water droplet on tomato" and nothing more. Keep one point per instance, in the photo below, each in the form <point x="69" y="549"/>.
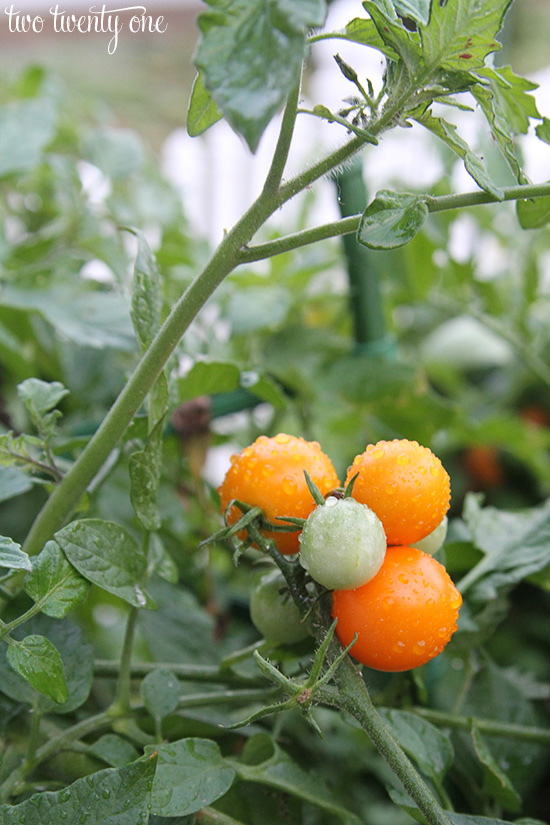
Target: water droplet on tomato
<point x="456" y="601"/>
<point x="289" y="485"/>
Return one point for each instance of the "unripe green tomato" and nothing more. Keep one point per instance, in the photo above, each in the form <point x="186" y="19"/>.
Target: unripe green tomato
<point x="433" y="541"/>
<point x="343" y="544"/>
<point x="273" y="614"/>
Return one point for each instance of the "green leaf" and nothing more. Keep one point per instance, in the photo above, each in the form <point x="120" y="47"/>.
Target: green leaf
<point x="18" y="450"/>
<point x="78" y="660"/>
<point x="419" y="10"/>
<point x="145" y="468"/>
<point x="207" y="378"/>
<point x="114" y="750"/>
<point x="543" y="130"/>
<point x="429" y="747"/>
<point x="55" y="583"/>
<point x="159" y="398"/>
<point x="495" y="781"/>
<point x="360" y="30"/>
<point x="515" y="544"/>
<point x="467" y="819"/>
<point x="391" y="220"/>
<point x="533" y="213"/>
<point x="250" y="56"/>
<point x="263" y="388"/>
<point x="105" y="554"/>
<point x="499" y="127"/>
<point x="397" y="37"/>
<point x="12" y="483"/>
<point x="203" y="112"/>
<point x="265" y="763"/>
<point x="38" y="661"/>
<point x="180" y="630"/>
<point x="26" y="129"/>
<point x="92" y="319"/>
<point x="11" y="555"/>
<point x="146" y="303"/>
<point x="41" y="396"/>
<point x="115" y="796"/>
<point x="512" y="99"/>
<point x="258" y="308"/>
<point x="119" y="153"/>
<point x="161" y="561"/>
<point x="191" y="773"/>
<point x="160" y="692"/>
<point x="449" y="135"/>
<point x="461" y="33"/>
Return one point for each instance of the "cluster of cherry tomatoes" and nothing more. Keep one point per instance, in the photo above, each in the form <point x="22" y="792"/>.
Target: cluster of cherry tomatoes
<point x="371" y="545"/>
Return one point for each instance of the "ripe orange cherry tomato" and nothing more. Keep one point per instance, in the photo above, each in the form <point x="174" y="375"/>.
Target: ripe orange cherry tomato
<point x="270" y="474"/>
<point x="404" y="616"/>
<point x="406" y="486"/>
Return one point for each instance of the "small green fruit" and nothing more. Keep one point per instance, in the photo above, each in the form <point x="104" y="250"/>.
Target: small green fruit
<point x="273" y="613"/>
<point x="343" y="544"/>
<point x="433" y="541"/>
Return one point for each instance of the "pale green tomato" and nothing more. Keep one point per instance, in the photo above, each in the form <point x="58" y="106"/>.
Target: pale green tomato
<point x="433" y="541"/>
<point x="273" y="614"/>
<point x="342" y="544"/>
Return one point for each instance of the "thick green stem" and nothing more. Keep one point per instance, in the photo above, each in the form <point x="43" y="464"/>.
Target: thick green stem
<point x="210" y="816"/>
<point x="346" y="226"/>
<point x="192" y="673"/>
<point x="523" y="733"/>
<point x="121" y="702"/>
<point x="280" y="156"/>
<point x="353" y="697"/>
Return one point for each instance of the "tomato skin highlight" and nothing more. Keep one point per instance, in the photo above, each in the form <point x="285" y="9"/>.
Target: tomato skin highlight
<point x="270" y="474"/>
<point x="406" y="486"/>
<point x="403" y="617"/>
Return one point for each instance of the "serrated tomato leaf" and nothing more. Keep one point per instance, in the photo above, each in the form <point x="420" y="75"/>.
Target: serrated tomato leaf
<point x="461" y="33"/>
<point x="250" y="56"/>
<point x="12" y="556"/>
